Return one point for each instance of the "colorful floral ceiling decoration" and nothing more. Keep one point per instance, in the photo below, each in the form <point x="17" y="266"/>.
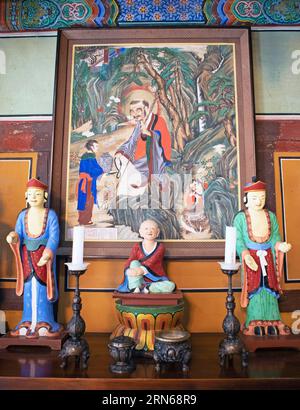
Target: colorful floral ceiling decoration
<point x="20" y="15"/>
<point x="161" y="11"/>
<point x="251" y="12"/>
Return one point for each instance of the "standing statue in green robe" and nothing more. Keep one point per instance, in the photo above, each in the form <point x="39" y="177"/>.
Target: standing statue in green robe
<point x="261" y="253"/>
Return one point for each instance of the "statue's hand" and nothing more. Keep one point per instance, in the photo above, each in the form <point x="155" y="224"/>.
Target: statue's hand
<point x="284" y="247"/>
<point x="250" y="262"/>
<point x="139" y="271"/>
<point x="12" y="237"/>
<point x="135" y="272"/>
<point x="44" y="259"/>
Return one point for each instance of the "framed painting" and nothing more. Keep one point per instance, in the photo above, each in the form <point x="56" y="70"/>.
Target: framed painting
<point x="152" y="124"/>
<point x="27" y="71"/>
<point x="275" y="72"/>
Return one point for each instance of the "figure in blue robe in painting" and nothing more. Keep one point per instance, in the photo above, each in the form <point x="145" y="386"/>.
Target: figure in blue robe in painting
<point x="89" y="172"/>
<point x="36" y="268"/>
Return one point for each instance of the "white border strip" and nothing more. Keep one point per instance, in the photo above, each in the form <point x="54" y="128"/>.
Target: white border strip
<point x="275" y="28"/>
<point x="27" y="118"/>
<point x="273" y="117"/>
<point x="29" y="34"/>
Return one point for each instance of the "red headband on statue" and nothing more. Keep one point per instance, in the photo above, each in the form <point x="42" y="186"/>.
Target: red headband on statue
<point x="36" y="183"/>
<point x="255" y="186"/>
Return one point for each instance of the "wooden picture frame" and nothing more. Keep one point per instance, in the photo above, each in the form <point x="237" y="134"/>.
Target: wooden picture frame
<point x="286" y="167"/>
<point x="184" y="95"/>
<point x="20" y="166"/>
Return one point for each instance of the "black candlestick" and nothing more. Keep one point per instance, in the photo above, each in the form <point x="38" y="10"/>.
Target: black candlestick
<point x="231" y="344"/>
<point x="76" y="345"/>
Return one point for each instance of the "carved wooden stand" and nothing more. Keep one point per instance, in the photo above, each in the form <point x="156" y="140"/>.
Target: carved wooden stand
<point x="54" y="343"/>
<point x="76" y="345"/>
<point x="253" y="343"/>
<point x="232" y="344"/>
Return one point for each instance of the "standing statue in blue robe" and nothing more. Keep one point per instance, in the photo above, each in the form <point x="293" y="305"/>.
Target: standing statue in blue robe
<point x="34" y="243"/>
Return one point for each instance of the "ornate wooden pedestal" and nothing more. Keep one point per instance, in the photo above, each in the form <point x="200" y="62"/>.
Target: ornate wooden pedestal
<point x="141" y="315"/>
<point x="55" y="343"/>
<point x="252" y="343"/>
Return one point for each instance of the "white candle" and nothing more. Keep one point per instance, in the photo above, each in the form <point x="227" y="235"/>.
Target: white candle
<point x="78" y="244"/>
<point x="230" y="245"/>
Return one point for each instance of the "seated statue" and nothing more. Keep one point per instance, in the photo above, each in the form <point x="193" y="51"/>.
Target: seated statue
<point x="144" y="270"/>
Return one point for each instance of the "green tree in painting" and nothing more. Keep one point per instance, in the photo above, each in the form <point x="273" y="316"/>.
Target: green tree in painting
<point x="80" y="106"/>
<point x="187" y="86"/>
<point x="217" y="86"/>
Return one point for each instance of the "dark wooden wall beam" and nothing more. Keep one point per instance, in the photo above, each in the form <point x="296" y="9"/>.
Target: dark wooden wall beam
<point x="290" y="301"/>
<point x="9" y="300"/>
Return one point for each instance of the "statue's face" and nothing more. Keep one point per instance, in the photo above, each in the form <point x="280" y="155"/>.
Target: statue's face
<point x="256" y="200"/>
<point x="149" y="230"/>
<point x="35" y="197"/>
